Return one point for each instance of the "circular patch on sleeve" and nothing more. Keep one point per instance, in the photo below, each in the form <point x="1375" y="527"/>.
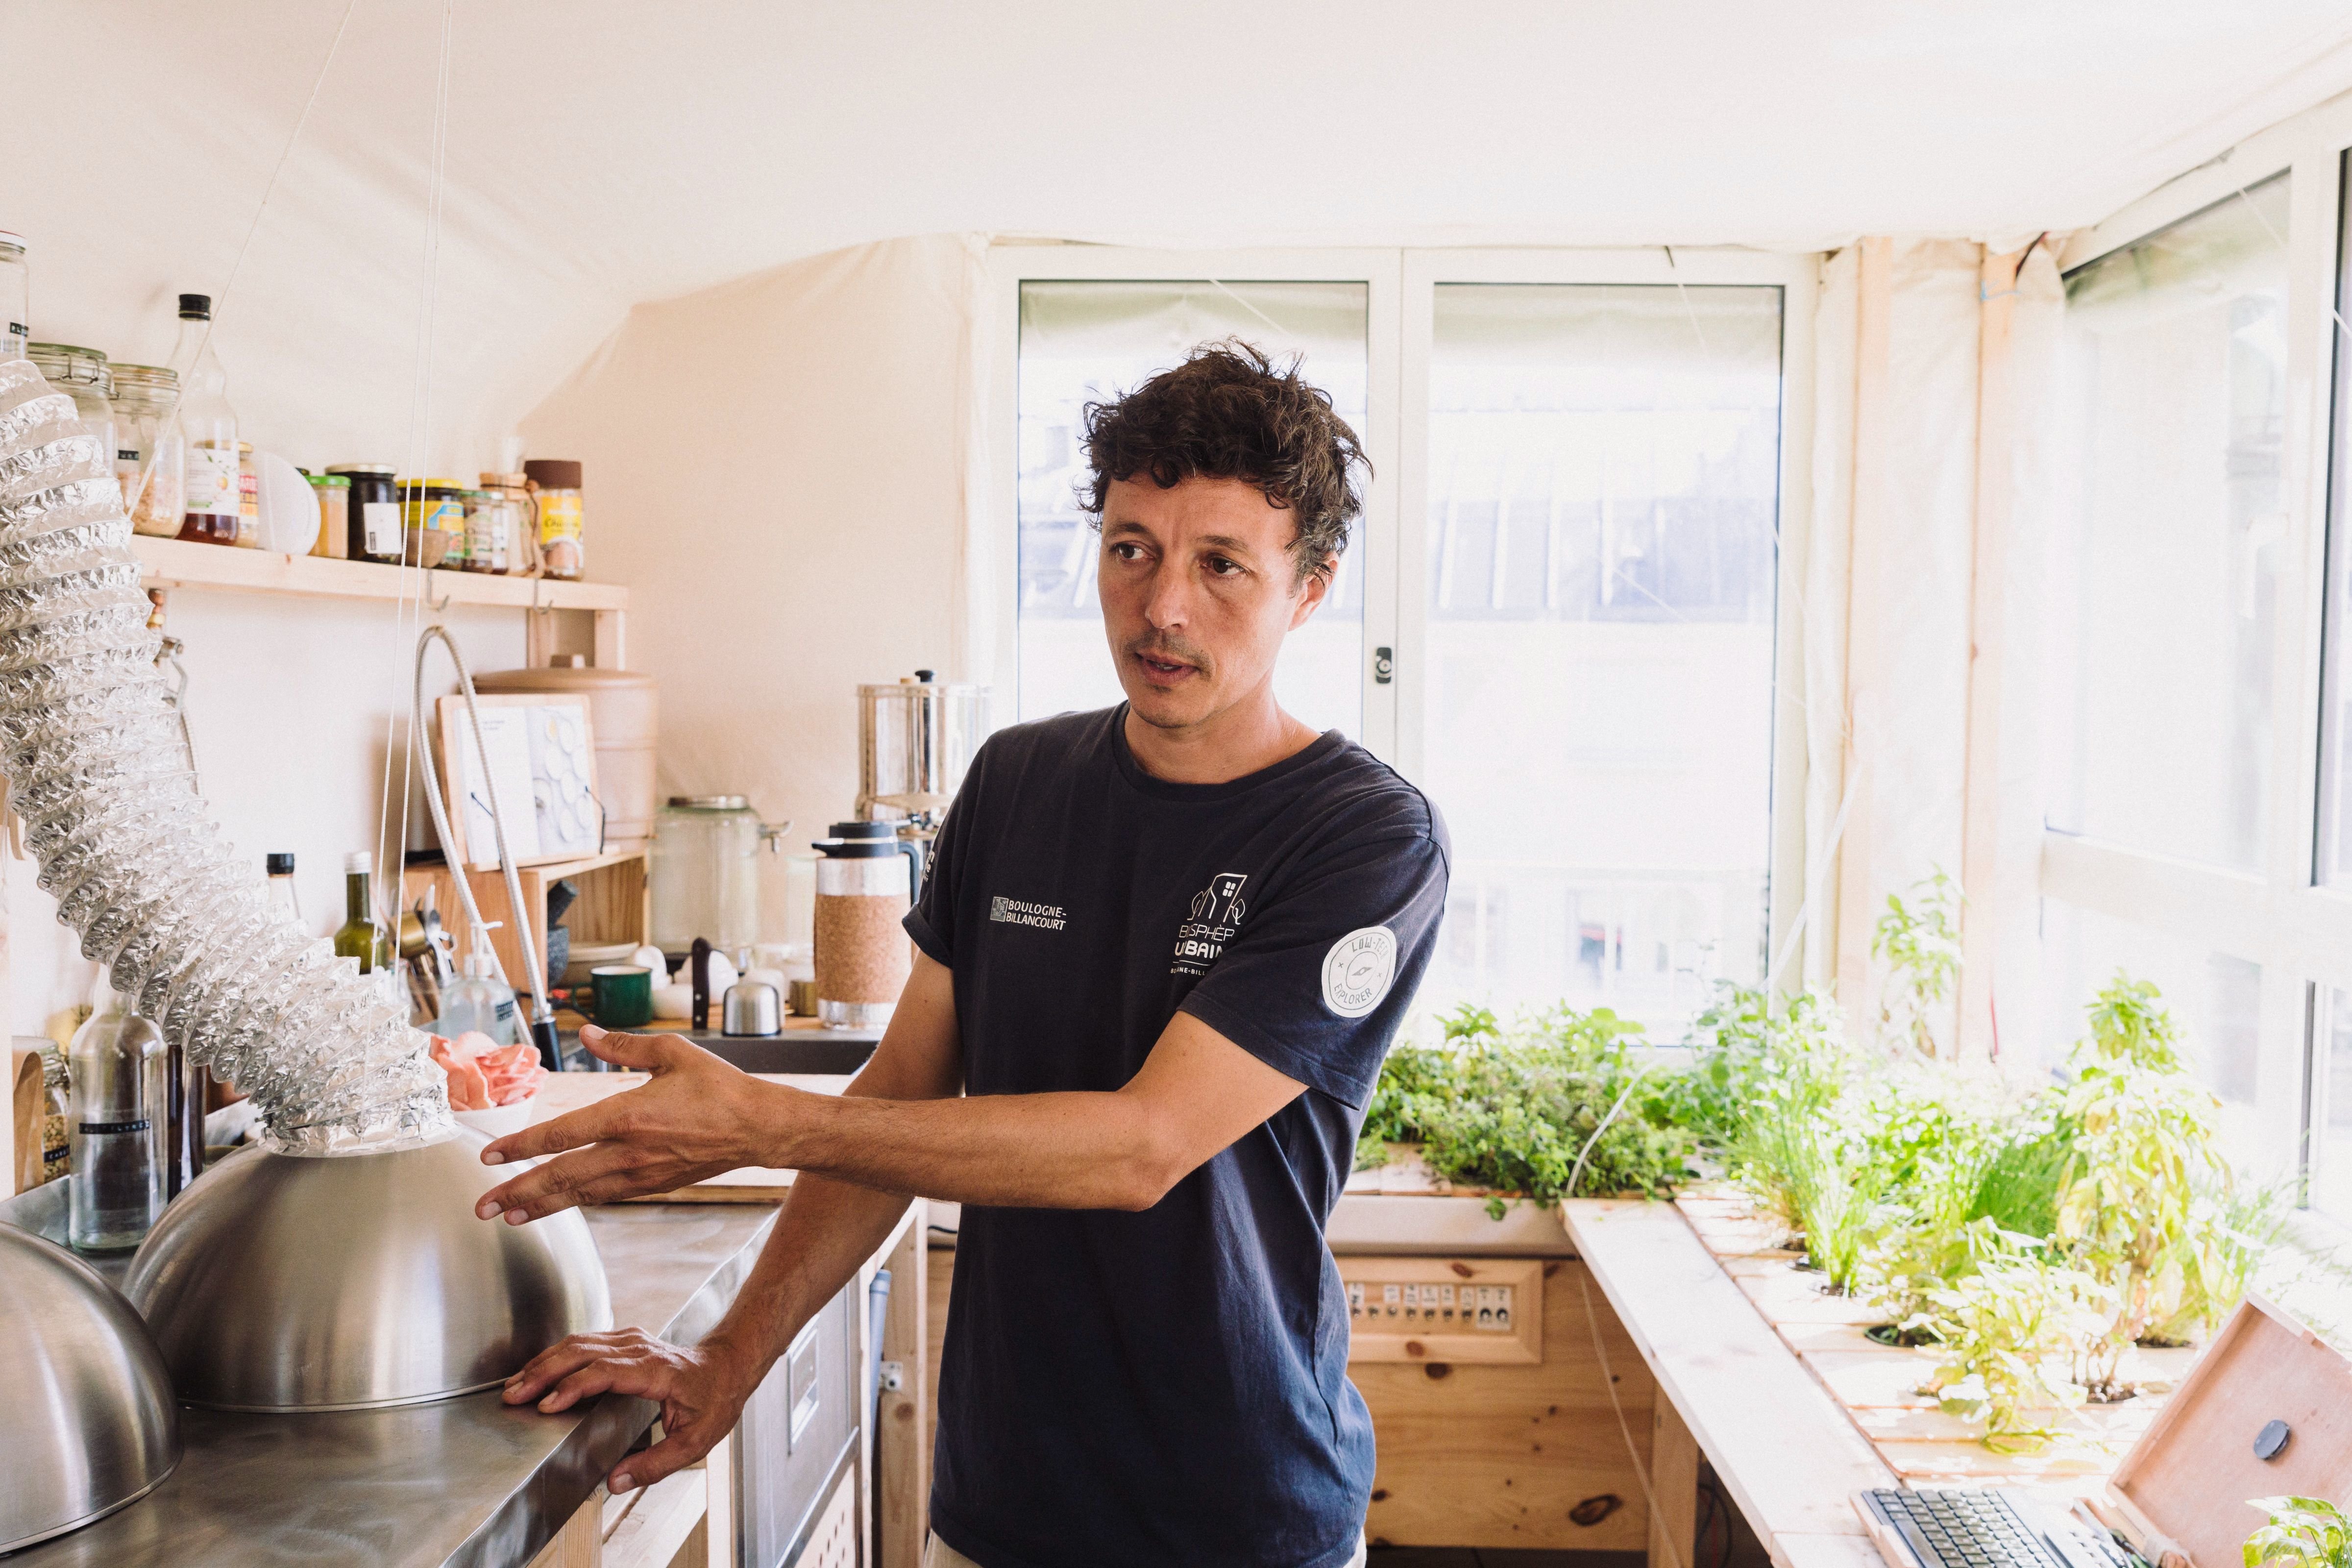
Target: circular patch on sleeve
<point x="1359" y="969"/>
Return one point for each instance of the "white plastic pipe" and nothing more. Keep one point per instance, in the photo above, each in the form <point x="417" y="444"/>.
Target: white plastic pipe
<point x="91" y="751"/>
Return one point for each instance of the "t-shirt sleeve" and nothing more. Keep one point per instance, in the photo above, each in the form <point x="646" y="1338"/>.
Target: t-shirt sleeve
<point x="932" y="921"/>
<point x="1315" y="984"/>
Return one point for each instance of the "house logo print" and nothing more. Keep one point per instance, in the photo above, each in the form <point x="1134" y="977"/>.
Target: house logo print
<point x="1216" y="913"/>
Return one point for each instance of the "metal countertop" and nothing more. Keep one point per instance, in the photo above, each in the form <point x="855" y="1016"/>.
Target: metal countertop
<point x="464" y="1483"/>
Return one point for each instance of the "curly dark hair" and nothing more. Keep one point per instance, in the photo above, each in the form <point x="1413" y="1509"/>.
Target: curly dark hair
<point x="1227" y="413"/>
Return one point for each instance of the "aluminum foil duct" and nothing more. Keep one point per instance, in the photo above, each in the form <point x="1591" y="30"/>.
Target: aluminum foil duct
<point x="92" y="753"/>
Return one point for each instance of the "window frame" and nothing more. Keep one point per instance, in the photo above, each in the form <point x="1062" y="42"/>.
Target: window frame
<point x="1400" y="300"/>
<point x="2300" y="932"/>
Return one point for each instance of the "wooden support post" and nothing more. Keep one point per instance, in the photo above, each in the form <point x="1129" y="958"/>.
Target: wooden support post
<point x="1867" y="576"/>
<point x="581" y="1543"/>
<point x="719" y="1542"/>
<point x="1674" y="1489"/>
<point x="902" y="1456"/>
<point x="1980" y="835"/>
<point x="612" y="647"/>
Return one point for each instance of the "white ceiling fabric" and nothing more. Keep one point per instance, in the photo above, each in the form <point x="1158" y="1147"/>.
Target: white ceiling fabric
<point x="601" y="153"/>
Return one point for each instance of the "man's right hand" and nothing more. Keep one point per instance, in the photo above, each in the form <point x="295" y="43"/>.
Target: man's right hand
<point x="700" y="1389"/>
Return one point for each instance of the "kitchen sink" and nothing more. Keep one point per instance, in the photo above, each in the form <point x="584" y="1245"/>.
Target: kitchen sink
<point x="796" y="1050"/>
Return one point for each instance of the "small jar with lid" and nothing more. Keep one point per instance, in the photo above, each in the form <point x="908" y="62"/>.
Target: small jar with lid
<point x="149" y="456"/>
<point x="80" y="374"/>
<point x="557" y="483"/>
<point x="374" y="514"/>
<point x="523" y="521"/>
<point x="334" y="493"/>
<point x="14" y="310"/>
<point x="248" y="500"/>
<point x="433" y="514"/>
<point x="489" y="524"/>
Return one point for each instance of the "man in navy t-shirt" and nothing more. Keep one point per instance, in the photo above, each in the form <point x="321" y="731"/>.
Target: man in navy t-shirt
<point x="1162" y="951"/>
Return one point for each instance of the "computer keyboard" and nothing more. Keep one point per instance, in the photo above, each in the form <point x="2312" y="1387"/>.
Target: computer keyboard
<point x="1953" y="1528"/>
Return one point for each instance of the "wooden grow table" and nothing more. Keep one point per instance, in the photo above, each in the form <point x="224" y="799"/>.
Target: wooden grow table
<point x="1792" y="1404"/>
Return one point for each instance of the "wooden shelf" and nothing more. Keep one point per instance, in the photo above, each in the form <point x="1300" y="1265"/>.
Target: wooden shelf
<point x="178" y="563"/>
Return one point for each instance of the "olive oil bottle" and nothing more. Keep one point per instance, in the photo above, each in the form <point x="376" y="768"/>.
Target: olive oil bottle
<point x="361" y="936"/>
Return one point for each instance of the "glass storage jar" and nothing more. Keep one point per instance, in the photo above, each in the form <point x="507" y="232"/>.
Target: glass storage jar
<point x="14" y="310"/>
<point x="523" y="521"/>
<point x="374" y="514"/>
<point x="80" y="374"/>
<point x="561" y="550"/>
<point x="433" y="511"/>
<point x="706" y="874"/>
<point x="334" y="493"/>
<point x="147" y="442"/>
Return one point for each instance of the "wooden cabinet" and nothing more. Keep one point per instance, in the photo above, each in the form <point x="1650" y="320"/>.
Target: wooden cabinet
<point x="1526" y="1453"/>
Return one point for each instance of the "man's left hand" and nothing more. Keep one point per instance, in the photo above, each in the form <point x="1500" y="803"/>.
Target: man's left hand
<point x="696" y="1118"/>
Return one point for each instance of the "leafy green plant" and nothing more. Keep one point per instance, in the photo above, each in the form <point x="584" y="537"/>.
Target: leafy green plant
<point x="2147" y="1184"/>
<point x="1513" y="1106"/>
<point x="1919" y="941"/>
<point x="1818" y="1179"/>
<point x="2020" y="1330"/>
<point x="2303" y="1532"/>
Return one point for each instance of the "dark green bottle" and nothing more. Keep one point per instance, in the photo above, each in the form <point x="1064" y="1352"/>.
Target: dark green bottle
<point x="361" y="936"/>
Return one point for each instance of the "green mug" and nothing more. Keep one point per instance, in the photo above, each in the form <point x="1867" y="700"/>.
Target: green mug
<point x="622" y="996"/>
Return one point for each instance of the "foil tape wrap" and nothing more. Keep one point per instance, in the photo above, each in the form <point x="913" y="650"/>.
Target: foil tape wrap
<point x="91" y="753"/>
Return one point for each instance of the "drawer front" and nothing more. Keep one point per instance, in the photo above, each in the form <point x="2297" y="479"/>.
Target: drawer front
<point x="797" y="1437"/>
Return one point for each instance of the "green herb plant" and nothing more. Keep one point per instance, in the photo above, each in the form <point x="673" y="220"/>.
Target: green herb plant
<point x="2303" y="1532"/>
<point x="1919" y="941"/>
<point x="2015" y="1328"/>
<point x="2147" y="1193"/>
<point x="1511" y="1107"/>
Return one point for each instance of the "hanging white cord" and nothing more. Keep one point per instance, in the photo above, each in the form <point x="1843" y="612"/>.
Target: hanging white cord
<point x="407" y="614"/>
<point x="433" y="802"/>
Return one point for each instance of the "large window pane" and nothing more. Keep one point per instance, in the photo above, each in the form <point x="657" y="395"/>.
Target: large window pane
<point x="2164" y="575"/>
<point x="2214" y="997"/>
<point x="1092" y="340"/>
<point x="2330" y="1108"/>
<point x="1605" y="469"/>
<point x="2334" y="856"/>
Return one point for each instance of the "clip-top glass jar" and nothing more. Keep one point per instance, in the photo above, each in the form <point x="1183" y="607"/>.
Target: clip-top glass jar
<point x="147" y="441"/>
<point x="80" y="374"/>
<point x="14" y="310"/>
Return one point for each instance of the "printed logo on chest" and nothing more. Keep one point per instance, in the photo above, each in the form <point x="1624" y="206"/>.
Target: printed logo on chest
<point x="1216" y="914"/>
<point x="1018" y="912"/>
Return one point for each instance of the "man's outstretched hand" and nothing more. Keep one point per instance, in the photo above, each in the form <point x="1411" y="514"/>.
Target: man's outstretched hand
<point x="696" y="1118"/>
<point x="701" y="1392"/>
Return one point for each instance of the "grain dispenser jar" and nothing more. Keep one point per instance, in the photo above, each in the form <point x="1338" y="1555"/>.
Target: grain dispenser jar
<point x="865" y="886"/>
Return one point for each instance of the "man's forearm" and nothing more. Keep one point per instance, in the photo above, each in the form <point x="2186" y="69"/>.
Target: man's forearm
<point x="825" y="1231"/>
<point x="1029" y="1150"/>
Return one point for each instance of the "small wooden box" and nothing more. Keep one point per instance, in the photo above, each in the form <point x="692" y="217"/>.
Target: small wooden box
<point x="2182" y="1490"/>
<point x="1473" y="1311"/>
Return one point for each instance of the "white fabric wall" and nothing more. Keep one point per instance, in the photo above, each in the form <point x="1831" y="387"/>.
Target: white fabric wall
<point x="1911" y="503"/>
<point x="779" y="470"/>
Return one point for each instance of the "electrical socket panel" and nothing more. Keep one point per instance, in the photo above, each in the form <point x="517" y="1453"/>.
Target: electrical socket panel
<point x="1445" y="1310"/>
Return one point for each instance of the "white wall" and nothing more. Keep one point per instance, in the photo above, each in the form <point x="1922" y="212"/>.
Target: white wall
<point x="776" y="467"/>
<point x="287" y="698"/>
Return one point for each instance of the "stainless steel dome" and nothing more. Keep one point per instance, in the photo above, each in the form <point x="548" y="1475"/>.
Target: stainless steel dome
<point x="294" y="1282"/>
<point x="90" y="1419"/>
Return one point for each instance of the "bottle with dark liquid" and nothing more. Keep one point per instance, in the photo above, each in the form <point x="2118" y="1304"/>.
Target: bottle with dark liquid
<point x="214" y="497"/>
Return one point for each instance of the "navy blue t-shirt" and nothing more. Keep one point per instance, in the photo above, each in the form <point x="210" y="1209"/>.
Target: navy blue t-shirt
<point x="1170" y="1386"/>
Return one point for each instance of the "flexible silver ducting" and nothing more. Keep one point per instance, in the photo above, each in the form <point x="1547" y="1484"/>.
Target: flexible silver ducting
<point x="91" y="753"/>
